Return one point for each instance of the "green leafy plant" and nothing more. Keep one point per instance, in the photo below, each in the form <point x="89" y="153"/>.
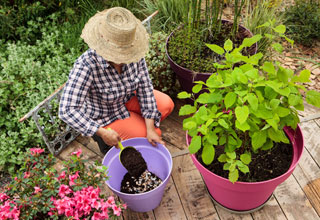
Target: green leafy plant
<point x="303" y="21"/>
<point x="159" y="69"/>
<point x="243" y="107"/>
<point x="257" y="14"/>
<point x="39" y="191"/>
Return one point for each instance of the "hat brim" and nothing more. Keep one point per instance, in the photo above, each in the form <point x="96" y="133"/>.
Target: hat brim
<point x="92" y="35"/>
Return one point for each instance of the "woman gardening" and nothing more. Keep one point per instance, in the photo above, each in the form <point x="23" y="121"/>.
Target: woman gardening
<point x="109" y="94"/>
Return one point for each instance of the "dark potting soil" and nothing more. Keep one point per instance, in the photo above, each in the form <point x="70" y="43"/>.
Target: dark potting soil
<point x="265" y="165"/>
<point x="144" y="183"/>
<point x="133" y="161"/>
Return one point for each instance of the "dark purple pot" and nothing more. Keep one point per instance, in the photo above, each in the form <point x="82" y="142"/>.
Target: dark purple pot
<point x="186" y="76"/>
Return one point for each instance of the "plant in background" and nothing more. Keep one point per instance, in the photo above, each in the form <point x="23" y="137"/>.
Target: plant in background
<point x="257" y="14"/>
<point x="204" y="24"/>
<point x="303" y="21"/>
<point x="159" y="69"/>
<point x="38" y="191"/>
<point x="243" y="108"/>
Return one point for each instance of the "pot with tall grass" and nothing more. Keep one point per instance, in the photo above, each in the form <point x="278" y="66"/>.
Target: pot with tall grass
<point x="186" y="49"/>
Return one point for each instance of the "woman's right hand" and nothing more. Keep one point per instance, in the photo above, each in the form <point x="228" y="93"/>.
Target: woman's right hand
<point x="109" y="136"/>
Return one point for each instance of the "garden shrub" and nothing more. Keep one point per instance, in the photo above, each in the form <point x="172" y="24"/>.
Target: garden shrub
<point x="28" y="74"/>
<point x="161" y="74"/>
<point x="303" y="21"/>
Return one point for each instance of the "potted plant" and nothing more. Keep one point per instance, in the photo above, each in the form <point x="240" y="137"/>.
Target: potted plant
<point x="187" y="53"/>
<point x="243" y="123"/>
<point x="39" y="191"/>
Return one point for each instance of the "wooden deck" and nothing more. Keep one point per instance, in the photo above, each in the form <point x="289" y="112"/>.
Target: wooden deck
<point x="186" y="197"/>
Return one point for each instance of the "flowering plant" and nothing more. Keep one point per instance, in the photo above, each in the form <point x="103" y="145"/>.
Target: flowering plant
<point x="39" y="191"/>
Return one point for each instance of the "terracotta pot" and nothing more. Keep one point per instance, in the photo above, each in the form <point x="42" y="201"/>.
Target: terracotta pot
<point x="246" y="196"/>
<point x="185" y="76"/>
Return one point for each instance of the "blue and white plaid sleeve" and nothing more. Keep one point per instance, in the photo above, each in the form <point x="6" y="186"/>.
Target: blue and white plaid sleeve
<point x="75" y="91"/>
<point x="145" y="95"/>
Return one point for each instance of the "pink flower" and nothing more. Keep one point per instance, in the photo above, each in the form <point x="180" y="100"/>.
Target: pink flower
<point x="116" y="210"/>
<point x="97" y="216"/>
<point x="72" y="178"/>
<point x="26" y="175"/>
<point x="110" y="200"/>
<point x="37" y="189"/>
<point x="63" y="190"/>
<point x="124" y="206"/>
<point x="78" y="153"/>
<point x="62" y="175"/>
<point x="36" y="151"/>
<point x="3" y="197"/>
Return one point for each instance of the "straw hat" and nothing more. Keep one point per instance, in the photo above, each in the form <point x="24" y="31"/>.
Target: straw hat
<point x="116" y="35"/>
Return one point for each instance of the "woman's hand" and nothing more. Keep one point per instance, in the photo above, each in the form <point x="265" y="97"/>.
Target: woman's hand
<point x="109" y="136"/>
<point x="152" y="135"/>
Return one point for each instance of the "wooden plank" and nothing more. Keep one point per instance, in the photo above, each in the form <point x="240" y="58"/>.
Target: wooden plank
<point x="131" y="215"/>
<point x="308" y="110"/>
<point x="311" y="132"/>
<point x="270" y="211"/>
<point x="173" y="133"/>
<point x="175" y="113"/>
<point x="293" y="201"/>
<point x="90" y="144"/>
<point x="191" y="189"/>
<point x="226" y="215"/>
<point x="312" y="191"/>
<point x="170" y="206"/>
<point x="74" y="146"/>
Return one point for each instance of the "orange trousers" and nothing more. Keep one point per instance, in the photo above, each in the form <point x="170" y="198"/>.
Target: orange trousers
<point x="135" y="126"/>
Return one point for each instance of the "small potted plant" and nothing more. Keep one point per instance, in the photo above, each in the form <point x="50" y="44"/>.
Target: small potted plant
<point x="39" y="191"/>
<point x="187" y="53"/>
<point x="243" y="123"/>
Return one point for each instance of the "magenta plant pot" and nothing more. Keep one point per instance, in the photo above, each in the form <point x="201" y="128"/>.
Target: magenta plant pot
<point x="245" y="196"/>
<point x="185" y="76"/>
<point x="159" y="162"/>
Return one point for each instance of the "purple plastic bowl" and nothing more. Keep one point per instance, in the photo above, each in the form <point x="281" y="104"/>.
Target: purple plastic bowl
<point x="159" y="162"/>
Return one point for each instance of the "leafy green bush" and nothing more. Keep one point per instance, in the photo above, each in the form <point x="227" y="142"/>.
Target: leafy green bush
<point x="161" y="74"/>
<point x="28" y="74"/>
<point x="303" y="21"/>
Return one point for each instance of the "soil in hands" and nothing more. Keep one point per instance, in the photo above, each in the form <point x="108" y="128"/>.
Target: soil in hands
<point x="265" y="165"/>
<point x="133" y="161"/>
<point x="147" y="181"/>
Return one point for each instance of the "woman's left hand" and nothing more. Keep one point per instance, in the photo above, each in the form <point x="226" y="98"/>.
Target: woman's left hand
<point x="153" y="137"/>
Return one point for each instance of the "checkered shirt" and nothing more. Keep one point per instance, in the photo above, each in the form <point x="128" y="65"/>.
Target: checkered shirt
<point x="95" y="94"/>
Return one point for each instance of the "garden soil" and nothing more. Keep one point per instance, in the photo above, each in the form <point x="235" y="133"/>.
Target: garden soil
<point x="133" y="161"/>
<point x="264" y="166"/>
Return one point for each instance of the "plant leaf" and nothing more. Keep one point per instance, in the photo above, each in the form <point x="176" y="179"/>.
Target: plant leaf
<point x="222" y="158"/>
<point x="233" y="176"/>
<point x="242" y="113"/>
<point x="228" y="45"/>
<point x="184" y="95"/>
<point x="313" y="98"/>
<point x="196" y="88"/>
<point x="269" y="67"/>
<point x="242" y="126"/>
<point x="244" y="169"/>
<point x="223" y="123"/>
<point x="208" y="153"/>
<point x="215" y="48"/>
<point x="253" y="101"/>
<point x="187" y="110"/>
<point x="278" y="47"/>
<point x="258" y="139"/>
<point x="230" y="99"/>
<point x="195" y="144"/>
<point x="281" y="29"/>
<point x="245" y="158"/>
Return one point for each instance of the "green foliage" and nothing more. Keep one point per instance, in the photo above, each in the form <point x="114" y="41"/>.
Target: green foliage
<point x="28" y="74"/>
<point x="260" y="13"/>
<point x="303" y="21"/>
<point x="18" y="18"/>
<point x="171" y="13"/>
<point x="38" y="190"/>
<point x="159" y="69"/>
<point x="244" y="107"/>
